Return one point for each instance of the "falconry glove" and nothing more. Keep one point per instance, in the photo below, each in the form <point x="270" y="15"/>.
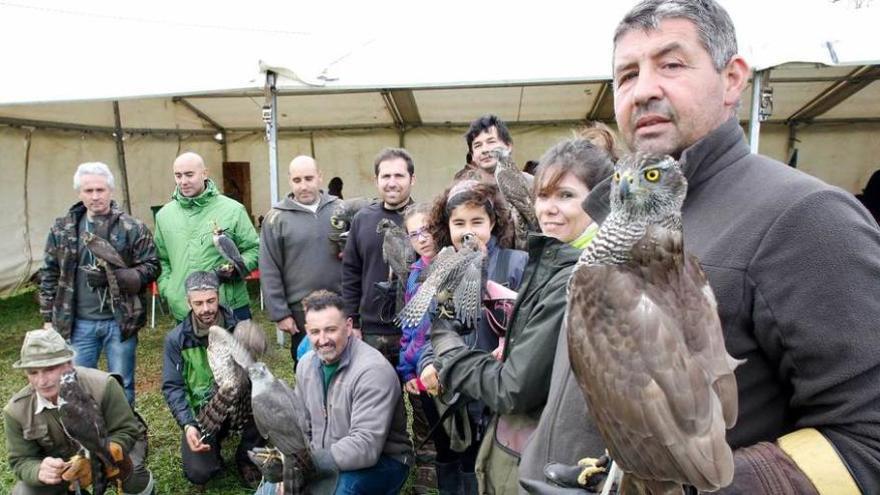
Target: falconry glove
<point x="269" y="462"/>
<point x="95" y="277"/>
<point x="129" y="280"/>
<point x="226" y="274"/>
<point x="123" y="468"/>
<point x="78" y="473"/>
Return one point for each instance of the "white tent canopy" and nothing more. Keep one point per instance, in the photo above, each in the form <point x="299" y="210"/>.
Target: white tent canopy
<point x="354" y="77"/>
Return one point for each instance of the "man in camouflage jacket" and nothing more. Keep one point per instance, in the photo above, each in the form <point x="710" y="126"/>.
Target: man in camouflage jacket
<point x="75" y="297"/>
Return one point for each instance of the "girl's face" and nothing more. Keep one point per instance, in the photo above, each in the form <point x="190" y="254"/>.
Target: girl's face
<point x="559" y="211"/>
<point x="470" y="218"/>
<point x="419" y="237"/>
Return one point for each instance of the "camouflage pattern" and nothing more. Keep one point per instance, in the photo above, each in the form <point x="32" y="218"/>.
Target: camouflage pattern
<point x="128" y="235"/>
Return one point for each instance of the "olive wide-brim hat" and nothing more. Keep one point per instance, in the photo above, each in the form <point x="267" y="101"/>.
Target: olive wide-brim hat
<point x="43" y="348"/>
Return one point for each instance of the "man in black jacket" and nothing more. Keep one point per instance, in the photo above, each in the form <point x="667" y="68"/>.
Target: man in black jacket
<point x="793" y="263"/>
<point x="362" y="263"/>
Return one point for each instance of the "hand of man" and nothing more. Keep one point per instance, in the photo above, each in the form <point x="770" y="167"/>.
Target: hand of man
<point x="50" y="470"/>
<point x="412" y="386"/>
<point x="431" y="380"/>
<point x="48" y="326"/>
<point x="287" y="325"/>
<point x="95" y="277"/>
<point x="226" y="273"/>
<point x="193" y="439"/>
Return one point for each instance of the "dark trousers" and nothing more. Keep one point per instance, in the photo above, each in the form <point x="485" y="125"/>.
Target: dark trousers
<point x="387" y="344"/>
<point x="199" y="467"/>
<point x="386" y="477"/>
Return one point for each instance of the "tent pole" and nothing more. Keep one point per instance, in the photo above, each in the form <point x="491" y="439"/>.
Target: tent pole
<point x="759" y="78"/>
<point x="270" y="116"/>
<point x="120" y="153"/>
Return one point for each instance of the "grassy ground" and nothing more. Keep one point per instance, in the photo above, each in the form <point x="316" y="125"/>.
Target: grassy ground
<point x="19" y="314"/>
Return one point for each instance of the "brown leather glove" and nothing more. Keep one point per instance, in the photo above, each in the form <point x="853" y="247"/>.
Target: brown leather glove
<point x="123" y="467"/>
<point x="764" y="469"/>
<point x="129" y="280"/>
<point x="80" y="470"/>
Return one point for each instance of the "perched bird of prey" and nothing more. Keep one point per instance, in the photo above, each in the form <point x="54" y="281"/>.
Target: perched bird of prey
<point x="396" y="248"/>
<point x="231" y="400"/>
<point x="280" y="416"/>
<point x="107" y="258"/>
<point x="645" y="340"/>
<point x="340" y="221"/>
<point x="229" y="251"/>
<point x="517" y="192"/>
<point x="83" y="421"/>
<point x="453" y="274"/>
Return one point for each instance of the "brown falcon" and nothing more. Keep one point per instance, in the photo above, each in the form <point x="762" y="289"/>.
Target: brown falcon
<point x="227" y="248"/>
<point x="645" y="340"/>
<point x="453" y="275"/>
<point x="231" y="399"/>
<point x="340" y="221"/>
<point x="515" y="188"/>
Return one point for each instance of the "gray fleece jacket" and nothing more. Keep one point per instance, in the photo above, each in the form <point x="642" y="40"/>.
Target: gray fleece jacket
<point x="362" y="415"/>
<point x="296" y="256"/>
<point x="795" y="265"/>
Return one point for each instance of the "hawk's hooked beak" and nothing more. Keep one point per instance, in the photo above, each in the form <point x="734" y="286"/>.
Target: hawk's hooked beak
<point x="623" y="186"/>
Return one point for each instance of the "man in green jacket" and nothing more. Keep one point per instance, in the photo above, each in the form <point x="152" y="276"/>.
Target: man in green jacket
<point x="39" y="451"/>
<point x="184" y="238"/>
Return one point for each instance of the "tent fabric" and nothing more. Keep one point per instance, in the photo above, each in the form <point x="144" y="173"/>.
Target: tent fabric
<point x="542" y="67"/>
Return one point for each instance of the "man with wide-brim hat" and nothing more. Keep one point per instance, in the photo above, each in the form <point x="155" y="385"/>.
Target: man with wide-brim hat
<point x="38" y="448"/>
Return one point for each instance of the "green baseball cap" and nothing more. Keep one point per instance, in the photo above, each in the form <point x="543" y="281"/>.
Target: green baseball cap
<point x="43" y="348"/>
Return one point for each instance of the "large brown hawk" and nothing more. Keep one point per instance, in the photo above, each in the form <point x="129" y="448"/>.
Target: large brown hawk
<point x="645" y="340"/>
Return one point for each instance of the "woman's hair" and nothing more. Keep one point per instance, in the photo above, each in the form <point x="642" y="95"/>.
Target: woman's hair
<point x="472" y="193"/>
<point x="589" y="156"/>
<point x="417" y="209"/>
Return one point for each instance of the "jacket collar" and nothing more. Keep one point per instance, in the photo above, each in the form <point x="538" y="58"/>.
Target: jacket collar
<point x="199" y="201"/>
<point x="714" y="152"/>
<point x="79" y="209"/>
<point x="555" y="252"/>
<point x="288" y="203"/>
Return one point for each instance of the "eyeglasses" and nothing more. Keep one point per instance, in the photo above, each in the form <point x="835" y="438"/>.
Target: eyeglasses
<point x="419" y="233"/>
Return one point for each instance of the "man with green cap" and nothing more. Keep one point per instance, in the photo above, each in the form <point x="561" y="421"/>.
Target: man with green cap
<point x="39" y="450"/>
<point x="184" y="238"/>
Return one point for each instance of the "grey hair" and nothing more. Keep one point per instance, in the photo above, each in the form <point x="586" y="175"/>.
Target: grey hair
<point x="714" y="26"/>
<point x="93" y="168"/>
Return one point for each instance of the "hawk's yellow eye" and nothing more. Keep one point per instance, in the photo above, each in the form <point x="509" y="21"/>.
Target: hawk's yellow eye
<point x="652" y="175"/>
<point x="616" y="177"/>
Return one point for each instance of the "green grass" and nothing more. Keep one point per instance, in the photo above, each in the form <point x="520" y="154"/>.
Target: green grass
<point x="19" y="313"/>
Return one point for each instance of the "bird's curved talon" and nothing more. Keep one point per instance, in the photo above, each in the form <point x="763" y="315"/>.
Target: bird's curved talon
<point x="591" y="467"/>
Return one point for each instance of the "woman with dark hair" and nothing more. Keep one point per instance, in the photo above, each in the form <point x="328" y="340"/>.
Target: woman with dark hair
<point x="516" y="388"/>
<point x="474" y="207"/>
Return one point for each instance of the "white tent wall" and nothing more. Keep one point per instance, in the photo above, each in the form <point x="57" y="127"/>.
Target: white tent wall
<point x="16" y="247"/>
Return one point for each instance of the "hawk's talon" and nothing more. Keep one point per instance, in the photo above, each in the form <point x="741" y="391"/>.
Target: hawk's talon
<point x="591" y="467"/>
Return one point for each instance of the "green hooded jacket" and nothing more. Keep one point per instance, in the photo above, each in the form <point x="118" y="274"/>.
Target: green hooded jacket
<point x="184" y="240"/>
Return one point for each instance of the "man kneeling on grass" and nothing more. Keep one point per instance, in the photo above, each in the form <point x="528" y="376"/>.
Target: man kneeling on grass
<point x="41" y="454"/>
<point x="355" y="407"/>
<point x="188" y="384"/>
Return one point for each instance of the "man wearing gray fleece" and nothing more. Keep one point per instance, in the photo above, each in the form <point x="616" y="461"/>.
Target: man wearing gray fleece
<point x="295" y="254"/>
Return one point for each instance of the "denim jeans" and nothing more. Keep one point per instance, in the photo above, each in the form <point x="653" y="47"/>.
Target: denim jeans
<point x="90" y="337"/>
<point x="386" y="477"/>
